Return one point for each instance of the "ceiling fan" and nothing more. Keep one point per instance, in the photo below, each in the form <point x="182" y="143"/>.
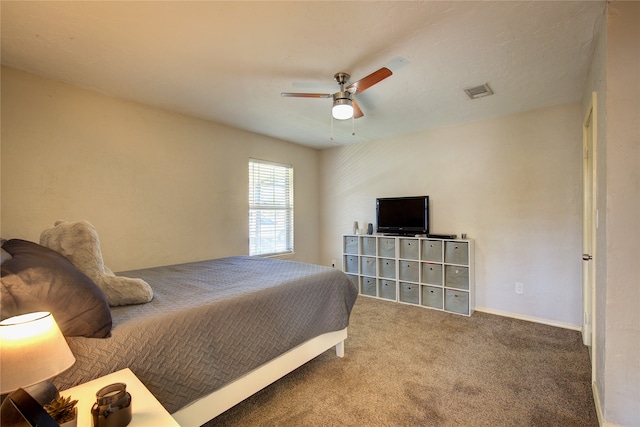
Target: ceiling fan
<point x="344" y="105"/>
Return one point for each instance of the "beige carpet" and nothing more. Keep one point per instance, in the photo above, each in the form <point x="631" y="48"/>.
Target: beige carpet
<point x="410" y="366"/>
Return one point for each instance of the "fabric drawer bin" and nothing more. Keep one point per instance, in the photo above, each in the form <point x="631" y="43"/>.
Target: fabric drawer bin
<point x="368" y="286"/>
<point x="456" y="301"/>
<point x="456" y="253"/>
<point x="409" y="271"/>
<point x="353" y="279"/>
<point x="387" y="268"/>
<point x="409" y="248"/>
<point x="387" y="247"/>
<point x="456" y="277"/>
<point x="368" y="266"/>
<point x="350" y="245"/>
<point x="432" y="297"/>
<point x="387" y="289"/>
<point x="351" y="264"/>
<point x="368" y="246"/>
<point x="432" y="250"/>
<point x="432" y="274"/>
<point x="410" y="292"/>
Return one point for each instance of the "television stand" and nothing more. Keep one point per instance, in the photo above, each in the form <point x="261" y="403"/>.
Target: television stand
<point x="423" y="271"/>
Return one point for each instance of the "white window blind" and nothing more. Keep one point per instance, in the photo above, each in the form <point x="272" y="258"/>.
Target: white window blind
<point x="270" y="208"/>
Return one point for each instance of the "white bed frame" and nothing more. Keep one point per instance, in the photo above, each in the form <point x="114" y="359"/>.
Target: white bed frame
<point x="212" y="405"/>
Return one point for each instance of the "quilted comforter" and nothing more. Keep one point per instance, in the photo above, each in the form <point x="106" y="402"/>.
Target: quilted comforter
<point x="212" y="321"/>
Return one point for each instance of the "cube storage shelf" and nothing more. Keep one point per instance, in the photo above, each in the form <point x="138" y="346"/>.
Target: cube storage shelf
<point x="422" y="271"/>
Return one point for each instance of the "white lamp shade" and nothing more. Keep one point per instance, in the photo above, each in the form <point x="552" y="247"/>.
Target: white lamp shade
<point x="32" y="349"/>
<point x="342" y="109"/>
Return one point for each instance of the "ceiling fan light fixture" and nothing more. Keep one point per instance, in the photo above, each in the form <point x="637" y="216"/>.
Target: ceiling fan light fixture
<point x="342" y="109"/>
<point x="342" y="106"/>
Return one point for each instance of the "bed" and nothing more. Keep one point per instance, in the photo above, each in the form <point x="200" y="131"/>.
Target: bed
<point x="217" y="331"/>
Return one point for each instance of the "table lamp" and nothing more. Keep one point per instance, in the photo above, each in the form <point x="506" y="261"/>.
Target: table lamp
<point x="32" y="349"/>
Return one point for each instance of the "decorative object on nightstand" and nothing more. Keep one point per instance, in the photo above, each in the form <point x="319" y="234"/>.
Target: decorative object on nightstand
<point x="112" y="407"/>
<point x="63" y="410"/>
<point x="33" y="350"/>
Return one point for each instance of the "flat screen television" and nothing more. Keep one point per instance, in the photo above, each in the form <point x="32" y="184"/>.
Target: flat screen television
<point x="402" y="215"/>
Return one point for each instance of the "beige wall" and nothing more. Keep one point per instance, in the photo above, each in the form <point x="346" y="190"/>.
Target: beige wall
<point x="160" y="187"/>
<point x="615" y="77"/>
<point x="622" y="369"/>
<point x="514" y="184"/>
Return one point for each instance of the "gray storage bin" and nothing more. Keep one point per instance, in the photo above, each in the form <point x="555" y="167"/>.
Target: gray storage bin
<point x="387" y="289"/>
<point x="456" y="277"/>
<point x="409" y="248"/>
<point x="368" y="266"/>
<point x="368" y="286"/>
<point x="387" y="247"/>
<point x="387" y="268"/>
<point x="410" y="292"/>
<point x="431" y="273"/>
<point x="350" y="244"/>
<point x="432" y="297"/>
<point x="432" y="250"/>
<point x="456" y="253"/>
<point x="368" y="246"/>
<point x="408" y="271"/>
<point x="350" y="264"/>
<point x="456" y="301"/>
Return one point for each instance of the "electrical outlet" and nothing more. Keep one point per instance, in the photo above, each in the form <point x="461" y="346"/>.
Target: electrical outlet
<point x="333" y="263"/>
<point x="519" y="288"/>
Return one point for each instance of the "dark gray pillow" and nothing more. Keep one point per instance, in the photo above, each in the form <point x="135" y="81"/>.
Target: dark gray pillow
<point x="37" y="278"/>
<point x="4" y="256"/>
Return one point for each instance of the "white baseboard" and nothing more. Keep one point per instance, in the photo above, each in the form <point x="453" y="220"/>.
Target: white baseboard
<point x="530" y="318"/>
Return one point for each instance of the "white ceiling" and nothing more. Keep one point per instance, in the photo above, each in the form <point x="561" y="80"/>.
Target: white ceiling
<point x="229" y="61"/>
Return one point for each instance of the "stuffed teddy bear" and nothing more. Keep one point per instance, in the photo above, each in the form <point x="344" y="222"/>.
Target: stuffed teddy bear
<point x="78" y="242"/>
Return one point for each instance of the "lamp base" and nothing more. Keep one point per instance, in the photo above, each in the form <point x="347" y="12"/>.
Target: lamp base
<point x="20" y="409"/>
<point x="43" y="392"/>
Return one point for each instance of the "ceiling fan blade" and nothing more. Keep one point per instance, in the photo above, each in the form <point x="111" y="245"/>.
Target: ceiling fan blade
<point x="368" y="81"/>
<point x="306" y="95"/>
<point x="357" y="112"/>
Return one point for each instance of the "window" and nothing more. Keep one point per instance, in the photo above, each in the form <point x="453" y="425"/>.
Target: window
<point x="270" y="208"/>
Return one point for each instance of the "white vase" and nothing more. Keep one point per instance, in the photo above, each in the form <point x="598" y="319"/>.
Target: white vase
<point x="73" y="422"/>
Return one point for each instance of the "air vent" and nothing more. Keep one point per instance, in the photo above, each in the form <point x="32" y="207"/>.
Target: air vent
<point x="478" y="91"/>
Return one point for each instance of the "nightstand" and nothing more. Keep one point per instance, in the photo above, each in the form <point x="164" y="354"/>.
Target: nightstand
<point x="147" y="411"/>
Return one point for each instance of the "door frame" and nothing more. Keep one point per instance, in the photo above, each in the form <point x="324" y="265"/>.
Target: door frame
<point x="589" y="227"/>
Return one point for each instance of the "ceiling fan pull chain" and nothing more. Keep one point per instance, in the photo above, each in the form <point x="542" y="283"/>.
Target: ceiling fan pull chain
<point x="332" y="127"/>
<point x="353" y="125"/>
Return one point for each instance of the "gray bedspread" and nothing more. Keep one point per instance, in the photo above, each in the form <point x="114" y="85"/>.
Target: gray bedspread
<point x="213" y="321"/>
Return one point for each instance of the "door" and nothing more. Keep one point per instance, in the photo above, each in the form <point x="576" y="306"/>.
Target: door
<point x="589" y="225"/>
